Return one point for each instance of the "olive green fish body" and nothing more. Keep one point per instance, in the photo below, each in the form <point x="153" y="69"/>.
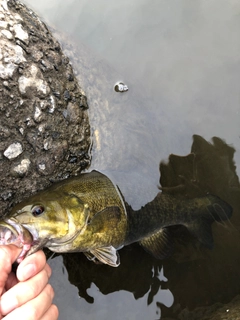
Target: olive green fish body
<point x="83" y="213"/>
<point x="87" y="214"/>
<point x="149" y="225"/>
<point x="166" y="210"/>
<point x="107" y="220"/>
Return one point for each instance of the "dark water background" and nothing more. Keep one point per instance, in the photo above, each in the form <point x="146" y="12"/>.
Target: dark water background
<point x="181" y="62"/>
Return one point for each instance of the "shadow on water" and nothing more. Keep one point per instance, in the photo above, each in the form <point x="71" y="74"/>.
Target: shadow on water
<point x="193" y="275"/>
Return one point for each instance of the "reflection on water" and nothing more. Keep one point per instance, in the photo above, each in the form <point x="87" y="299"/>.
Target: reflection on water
<point x="180" y="61"/>
<point x="119" y="286"/>
<point x="196" y="276"/>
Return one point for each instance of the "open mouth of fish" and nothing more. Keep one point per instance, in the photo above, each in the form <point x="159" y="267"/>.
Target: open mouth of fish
<point x="13" y="233"/>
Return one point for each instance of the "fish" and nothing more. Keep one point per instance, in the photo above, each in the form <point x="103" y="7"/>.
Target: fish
<point x="88" y="214"/>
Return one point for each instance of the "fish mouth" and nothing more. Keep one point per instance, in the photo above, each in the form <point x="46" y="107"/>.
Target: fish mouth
<point x="11" y="232"/>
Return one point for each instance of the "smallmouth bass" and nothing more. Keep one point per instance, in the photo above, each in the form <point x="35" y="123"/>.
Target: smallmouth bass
<point x="88" y="214"/>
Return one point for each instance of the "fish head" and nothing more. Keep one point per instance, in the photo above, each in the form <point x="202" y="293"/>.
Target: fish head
<point x="45" y="219"/>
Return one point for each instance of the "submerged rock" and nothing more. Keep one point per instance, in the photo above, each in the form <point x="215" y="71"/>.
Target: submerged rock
<point x="43" y="110"/>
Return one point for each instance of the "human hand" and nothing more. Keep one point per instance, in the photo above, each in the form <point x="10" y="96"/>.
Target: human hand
<point x="26" y="295"/>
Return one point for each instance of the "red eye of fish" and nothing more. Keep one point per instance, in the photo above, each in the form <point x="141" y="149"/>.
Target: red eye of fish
<point x="37" y="211"/>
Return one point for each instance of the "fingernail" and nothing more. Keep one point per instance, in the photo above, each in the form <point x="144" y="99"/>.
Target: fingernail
<point x="28" y="271"/>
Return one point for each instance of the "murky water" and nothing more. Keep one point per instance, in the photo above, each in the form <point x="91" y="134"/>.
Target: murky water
<point x="181" y="63"/>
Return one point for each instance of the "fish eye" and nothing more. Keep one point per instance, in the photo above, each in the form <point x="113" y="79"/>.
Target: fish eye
<point x="37" y="210"/>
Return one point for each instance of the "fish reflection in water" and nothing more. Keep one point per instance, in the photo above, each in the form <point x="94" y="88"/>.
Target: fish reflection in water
<point x="215" y="274"/>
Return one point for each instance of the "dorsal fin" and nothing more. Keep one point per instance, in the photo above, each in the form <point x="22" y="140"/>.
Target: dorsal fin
<point x="159" y="244"/>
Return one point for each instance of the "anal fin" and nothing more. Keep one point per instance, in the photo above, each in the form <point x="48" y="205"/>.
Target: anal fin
<point x="159" y="244"/>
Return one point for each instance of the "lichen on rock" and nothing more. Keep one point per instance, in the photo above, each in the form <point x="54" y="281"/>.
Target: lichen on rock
<point x="43" y="110"/>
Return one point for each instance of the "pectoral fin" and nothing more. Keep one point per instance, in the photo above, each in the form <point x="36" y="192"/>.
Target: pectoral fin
<point x="101" y="224"/>
<point x="106" y="255"/>
<point x="159" y="244"/>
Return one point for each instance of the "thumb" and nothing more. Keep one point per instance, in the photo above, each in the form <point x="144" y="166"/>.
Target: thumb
<point x="8" y="254"/>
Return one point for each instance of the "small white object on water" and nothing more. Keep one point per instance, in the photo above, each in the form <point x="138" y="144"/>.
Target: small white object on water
<point x="120" y="87"/>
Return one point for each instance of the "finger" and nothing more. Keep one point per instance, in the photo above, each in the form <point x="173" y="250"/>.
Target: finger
<point x="14" y="297"/>
<point x="11" y="281"/>
<point x="51" y="314"/>
<point x="8" y="254"/>
<point x="34" y="309"/>
<point x="32" y="265"/>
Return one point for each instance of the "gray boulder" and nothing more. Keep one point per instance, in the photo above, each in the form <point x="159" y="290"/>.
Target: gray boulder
<point x="44" y="127"/>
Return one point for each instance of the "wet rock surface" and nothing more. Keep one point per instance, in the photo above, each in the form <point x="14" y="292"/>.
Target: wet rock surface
<point x="44" y="127"/>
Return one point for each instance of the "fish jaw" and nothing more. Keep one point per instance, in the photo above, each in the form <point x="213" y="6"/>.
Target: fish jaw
<point x="13" y="233"/>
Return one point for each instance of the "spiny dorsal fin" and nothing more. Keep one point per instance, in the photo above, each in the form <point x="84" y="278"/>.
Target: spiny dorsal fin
<point x="159" y="244"/>
<point x="106" y="255"/>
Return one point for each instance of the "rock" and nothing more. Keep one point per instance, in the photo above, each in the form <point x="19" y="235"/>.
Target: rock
<point x="14" y="150"/>
<point x="44" y="127"/>
<point x="22" y="168"/>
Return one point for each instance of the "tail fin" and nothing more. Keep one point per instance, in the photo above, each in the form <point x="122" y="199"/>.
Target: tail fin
<point x="217" y="210"/>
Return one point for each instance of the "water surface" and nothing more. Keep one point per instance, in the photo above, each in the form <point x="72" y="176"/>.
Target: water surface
<point x="180" y="60"/>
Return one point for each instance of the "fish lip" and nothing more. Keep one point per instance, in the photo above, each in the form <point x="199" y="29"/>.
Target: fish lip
<point x="12" y="232"/>
<point x="8" y="234"/>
